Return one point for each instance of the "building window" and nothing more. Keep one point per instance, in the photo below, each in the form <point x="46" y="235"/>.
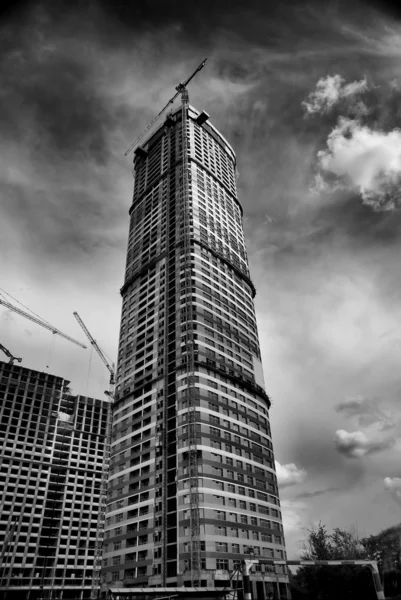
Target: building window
<point x="222" y="564"/>
<point x="221" y="547"/>
<point x="220" y="530"/>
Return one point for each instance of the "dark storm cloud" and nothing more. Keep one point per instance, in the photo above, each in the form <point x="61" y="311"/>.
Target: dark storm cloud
<point x="302" y="26"/>
<point x="82" y="80"/>
<point x="47" y="98"/>
<point x="59" y="183"/>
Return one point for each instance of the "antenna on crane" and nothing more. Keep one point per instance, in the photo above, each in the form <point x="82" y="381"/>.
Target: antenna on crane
<point x="97" y="561"/>
<point x="180" y="88"/>
<point x="10" y="356"/>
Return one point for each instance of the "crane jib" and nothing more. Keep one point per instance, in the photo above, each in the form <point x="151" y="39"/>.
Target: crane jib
<point x="180" y="88"/>
<point x="38" y="321"/>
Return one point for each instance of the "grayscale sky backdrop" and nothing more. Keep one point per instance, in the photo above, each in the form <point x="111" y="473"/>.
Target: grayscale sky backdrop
<point x="308" y="94"/>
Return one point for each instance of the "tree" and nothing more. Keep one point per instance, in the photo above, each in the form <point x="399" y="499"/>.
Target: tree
<point x="332" y="583"/>
<point x="318" y="545"/>
<point x="385" y="548"/>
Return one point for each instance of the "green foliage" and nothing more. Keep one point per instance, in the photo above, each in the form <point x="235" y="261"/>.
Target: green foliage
<point x="385" y="548"/>
<point x="340" y="545"/>
<point x="332" y="583"/>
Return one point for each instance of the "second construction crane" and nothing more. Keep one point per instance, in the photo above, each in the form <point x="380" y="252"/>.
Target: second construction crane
<point x="97" y="563"/>
<point x="10" y="356"/>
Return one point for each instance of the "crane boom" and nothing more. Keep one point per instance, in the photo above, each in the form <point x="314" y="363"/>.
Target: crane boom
<point x="94" y="343"/>
<point x="40" y="322"/>
<point x="97" y="559"/>
<point x="179" y="89"/>
<point x="10" y="356"/>
<point x="180" y="86"/>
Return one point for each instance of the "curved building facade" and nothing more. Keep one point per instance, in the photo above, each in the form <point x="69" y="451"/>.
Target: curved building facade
<point x="192" y="487"/>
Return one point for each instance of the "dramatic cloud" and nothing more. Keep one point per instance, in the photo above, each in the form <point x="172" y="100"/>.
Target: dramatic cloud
<point x="315" y="493"/>
<point x="289" y="474"/>
<point x="329" y="91"/>
<point x="357" y="444"/>
<point x="365" y="412"/>
<point x="393" y="485"/>
<point x="365" y="161"/>
<point x="80" y="84"/>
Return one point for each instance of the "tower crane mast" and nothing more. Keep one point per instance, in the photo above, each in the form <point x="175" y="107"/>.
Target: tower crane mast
<point x="97" y="561"/>
<point x="180" y="87"/>
<point x="110" y="367"/>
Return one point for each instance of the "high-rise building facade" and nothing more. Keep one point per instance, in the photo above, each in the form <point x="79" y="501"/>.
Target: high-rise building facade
<point x="51" y="455"/>
<point x="192" y="484"/>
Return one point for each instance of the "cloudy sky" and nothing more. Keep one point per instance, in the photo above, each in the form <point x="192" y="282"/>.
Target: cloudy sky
<point x="309" y="96"/>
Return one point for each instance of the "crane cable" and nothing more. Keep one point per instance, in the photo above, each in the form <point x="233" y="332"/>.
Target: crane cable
<point x="50" y="350"/>
<point x="28" y="309"/>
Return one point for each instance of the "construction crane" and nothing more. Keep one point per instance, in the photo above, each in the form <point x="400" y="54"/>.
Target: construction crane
<point x="40" y="322"/>
<point x="180" y="88"/>
<point x="111" y="367"/>
<point x="10" y="356"/>
<point x="97" y="560"/>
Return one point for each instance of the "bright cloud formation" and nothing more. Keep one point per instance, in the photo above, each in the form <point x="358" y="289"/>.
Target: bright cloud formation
<point x="289" y="474"/>
<point x="329" y="91"/>
<point x="393" y="485"/>
<point x="364" y="160"/>
<point x="356" y="444"/>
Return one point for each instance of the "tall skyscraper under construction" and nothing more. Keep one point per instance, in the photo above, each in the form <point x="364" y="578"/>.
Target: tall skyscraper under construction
<point x="192" y="486"/>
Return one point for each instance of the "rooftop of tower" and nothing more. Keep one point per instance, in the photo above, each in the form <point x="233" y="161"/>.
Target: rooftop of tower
<point x="223" y="139"/>
<point x="194" y="113"/>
